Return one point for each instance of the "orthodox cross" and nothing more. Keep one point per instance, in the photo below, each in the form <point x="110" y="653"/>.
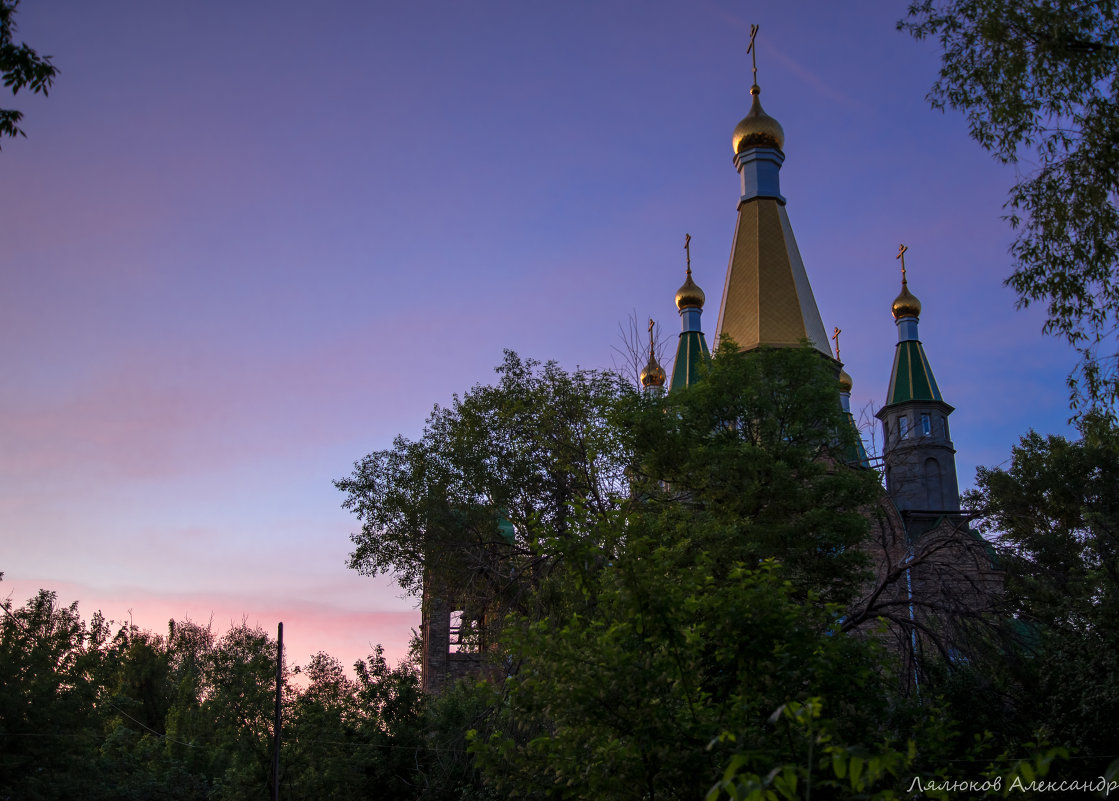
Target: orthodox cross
<point x="752" y="51"/>
<point x="835" y="336"/>
<point x="901" y="255"/>
<point x="652" y="348"/>
<point x="688" y="252"/>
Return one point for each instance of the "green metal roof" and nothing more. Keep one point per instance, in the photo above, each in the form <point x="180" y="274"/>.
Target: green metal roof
<point x="856" y="454"/>
<point x="912" y="377"/>
<point x="690" y="354"/>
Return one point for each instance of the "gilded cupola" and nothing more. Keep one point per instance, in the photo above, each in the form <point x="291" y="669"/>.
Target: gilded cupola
<point x="757" y="129"/>
<point x="690" y="296"/>
<point x="652" y="374"/>
<point x="906" y="303"/>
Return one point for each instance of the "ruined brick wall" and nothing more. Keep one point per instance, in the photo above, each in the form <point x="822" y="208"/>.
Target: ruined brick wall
<point x="441" y="664"/>
<point x="934" y="583"/>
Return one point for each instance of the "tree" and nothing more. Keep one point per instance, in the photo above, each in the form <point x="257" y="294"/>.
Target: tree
<point x="475" y="507"/>
<point x="674" y="667"/>
<point x="679" y="584"/>
<point x="703" y="604"/>
<point x="20" y="67"/>
<point x="753" y="456"/>
<point x="1039" y="84"/>
<point x="53" y="698"/>
<point x="1055" y="516"/>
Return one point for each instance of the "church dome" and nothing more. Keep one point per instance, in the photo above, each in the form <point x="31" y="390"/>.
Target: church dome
<point x="906" y="304"/>
<point x="757" y="129"/>
<point x="690" y="295"/>
<point x="653" y="375"/>
<point x="845" y="382"/>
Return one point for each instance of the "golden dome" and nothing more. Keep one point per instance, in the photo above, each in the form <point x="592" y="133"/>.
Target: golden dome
<point x="845" y="382"/>
<point x="757" y="129"/>
<point x="653" y="374"/>
<point x="690" y="295"/>
<point x="906" y="304"/>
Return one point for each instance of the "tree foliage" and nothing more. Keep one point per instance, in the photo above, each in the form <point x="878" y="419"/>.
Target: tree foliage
<point x="1039" y="84"/>
<point x="20" y="68"/>
<point x="54" y="698"/>
<point x="97" y="711"/>
<point x="1055" y="513"/>
<point x="677" y="627"/>
<point x="477" y="504"/>
<point x="750" y="463"/>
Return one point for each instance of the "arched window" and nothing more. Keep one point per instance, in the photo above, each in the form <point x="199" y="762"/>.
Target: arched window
<point x="932" y="484"/>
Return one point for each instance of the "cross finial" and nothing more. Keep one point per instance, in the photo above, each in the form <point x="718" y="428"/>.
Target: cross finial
<point x="835" y="336"/>
<point x="652" y="347"/>
<point x="688" y="252"/>
<point x="752" y="51"/>
<point x="901" y="255"/>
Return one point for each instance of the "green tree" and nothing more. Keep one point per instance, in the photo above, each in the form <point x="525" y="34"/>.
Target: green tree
<point x="703" y="604"/>
<point x="1055" y="515"/>
<point x="652" y="690"/>
<point x="475" y="506"/>
<point x="1038" y="81"/>
<point x="20" y="68"/>
<point x="749" y="463"/>
<point x="352" y="738"/>
<point x="54" y="699"/>
<point x="238" y="706"/>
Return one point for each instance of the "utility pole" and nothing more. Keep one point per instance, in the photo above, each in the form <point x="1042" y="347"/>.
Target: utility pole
<point x="276" y="725"/>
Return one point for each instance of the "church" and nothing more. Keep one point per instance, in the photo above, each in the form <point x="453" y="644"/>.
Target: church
<point x="933" y="574"/>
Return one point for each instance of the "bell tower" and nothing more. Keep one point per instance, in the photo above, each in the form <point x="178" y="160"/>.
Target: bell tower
<point x="917" y="449"/>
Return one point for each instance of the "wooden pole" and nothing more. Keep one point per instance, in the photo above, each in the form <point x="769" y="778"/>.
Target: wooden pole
<point x="276" y="725"/>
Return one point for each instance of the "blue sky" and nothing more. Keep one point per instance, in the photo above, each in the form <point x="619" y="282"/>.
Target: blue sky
<point x="245" y="244"/>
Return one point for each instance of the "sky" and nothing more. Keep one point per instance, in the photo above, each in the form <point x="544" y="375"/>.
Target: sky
<point x="244" y="244"/>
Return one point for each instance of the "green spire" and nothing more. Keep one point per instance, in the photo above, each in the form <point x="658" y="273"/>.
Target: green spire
<point x="692" y="351"/>
<point x="690" y="354"/>
<point x="912" y="377"/>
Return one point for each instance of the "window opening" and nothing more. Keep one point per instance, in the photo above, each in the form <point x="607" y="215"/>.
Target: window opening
<point x="456" y="631"/>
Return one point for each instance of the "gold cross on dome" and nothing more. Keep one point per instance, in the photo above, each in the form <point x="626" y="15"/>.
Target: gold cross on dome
<point x="835" y="336"/>
<point x="901" y="255"/>
<point x="688" y="251"/>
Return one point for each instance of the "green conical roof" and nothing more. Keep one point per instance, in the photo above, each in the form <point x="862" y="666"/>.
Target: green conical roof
<point x="856" y="454"/>
<point x="912" y="377"/>
<point x="690" y="354"/>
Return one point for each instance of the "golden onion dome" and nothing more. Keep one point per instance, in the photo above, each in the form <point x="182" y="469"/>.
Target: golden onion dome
<point x="845" y="382"/>
<point x="906" y="304"/>
<point x="757" y="129"/>
<point x="653" y="375"/>
<point x="690" y="296"/>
